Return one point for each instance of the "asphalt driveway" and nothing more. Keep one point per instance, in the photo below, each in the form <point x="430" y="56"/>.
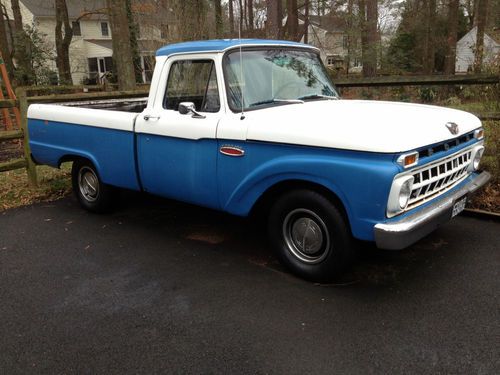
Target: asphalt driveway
<point x="164" y="287"/>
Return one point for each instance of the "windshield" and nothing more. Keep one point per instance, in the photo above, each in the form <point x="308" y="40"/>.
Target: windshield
<point x="274" y="77"/>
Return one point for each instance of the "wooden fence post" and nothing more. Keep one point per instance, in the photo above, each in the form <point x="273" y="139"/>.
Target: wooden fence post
<point x="23" y="108"/>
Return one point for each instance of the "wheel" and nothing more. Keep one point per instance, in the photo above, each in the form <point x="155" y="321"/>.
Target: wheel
<point x="310" y="235"/>
<point x="90" y="191"/>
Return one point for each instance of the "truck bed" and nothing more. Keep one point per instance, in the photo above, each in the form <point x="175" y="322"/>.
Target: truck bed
<point x="104" y="136"/>
<point x="135" y="105"/>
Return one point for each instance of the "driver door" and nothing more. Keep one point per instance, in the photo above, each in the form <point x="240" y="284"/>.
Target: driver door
<point x="176" y="152"/>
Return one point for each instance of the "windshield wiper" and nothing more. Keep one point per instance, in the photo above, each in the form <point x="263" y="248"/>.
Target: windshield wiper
<point x="270" y="101"/>
<point x="318" y="96"/>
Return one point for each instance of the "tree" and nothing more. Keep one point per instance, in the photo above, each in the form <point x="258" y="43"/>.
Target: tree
<point x="273" y="18"/>
<point x="25" y="74"/>
<point x="39" y="55"/>
<point x="292" y="21"/>
<point x="481" y="19"/>
<point x="429" y="45"/>
<point x="451" y="40"/>
<point x="250" y="14"/>
<point x="192" y="17"/>
<point x="62" y="42"/>
<point x="4" y="45"/>
<point x="242" y="15"/>
<point x="231" y="18"/>
<point x="218" y="18"/>
<point x="122" y="52"/>
<point x="369" y="38"/>
<point x="134" y="45"/>
<point x="306" y="21"/>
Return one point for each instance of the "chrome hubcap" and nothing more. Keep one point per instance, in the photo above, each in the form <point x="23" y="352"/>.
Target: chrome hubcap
<point x="306" y="235"/>
<point x="88" y="184"/>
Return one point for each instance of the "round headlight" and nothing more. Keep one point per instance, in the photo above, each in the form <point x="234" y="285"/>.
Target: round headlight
<point x="477" y="159"/>
<point x="404" y="194"/>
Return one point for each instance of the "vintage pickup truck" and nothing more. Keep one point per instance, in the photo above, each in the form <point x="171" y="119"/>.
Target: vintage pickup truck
<point x="237" y="125"/>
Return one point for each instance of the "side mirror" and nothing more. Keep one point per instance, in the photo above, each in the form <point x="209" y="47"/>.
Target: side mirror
<point x="187" y="108"/>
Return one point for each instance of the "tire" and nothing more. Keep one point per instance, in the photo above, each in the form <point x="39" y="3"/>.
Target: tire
<point x="305" y="215"/>
<point x="90" y="191"/>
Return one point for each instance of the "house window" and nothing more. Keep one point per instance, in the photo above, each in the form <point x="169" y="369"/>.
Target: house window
<point x="345" y="42"/>
<point x="330" y="60"/>
<point x="104" y="29"/>
<point x="77" y="31"/>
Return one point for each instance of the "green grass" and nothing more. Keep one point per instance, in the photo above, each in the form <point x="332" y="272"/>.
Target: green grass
<point x="15" y="190"/>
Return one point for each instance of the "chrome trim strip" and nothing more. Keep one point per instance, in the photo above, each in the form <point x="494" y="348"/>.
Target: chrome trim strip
<point x="398" y="234"/>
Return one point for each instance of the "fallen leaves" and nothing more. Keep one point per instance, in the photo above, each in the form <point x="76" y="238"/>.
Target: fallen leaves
<point x="16" y="192"/>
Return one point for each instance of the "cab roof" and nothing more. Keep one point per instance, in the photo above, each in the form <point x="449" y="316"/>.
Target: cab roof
<point x="221" y="45"/>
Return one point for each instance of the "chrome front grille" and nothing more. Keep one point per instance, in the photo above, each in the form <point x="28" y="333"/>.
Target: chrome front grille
<point x="438" y="177"/>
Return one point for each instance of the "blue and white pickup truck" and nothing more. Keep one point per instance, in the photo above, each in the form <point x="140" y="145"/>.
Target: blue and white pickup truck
<point x="235" y="125"/>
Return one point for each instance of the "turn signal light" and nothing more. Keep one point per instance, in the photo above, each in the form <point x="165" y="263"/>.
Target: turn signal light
<point x="479" y="133"/>
<point x="408" y="160"/>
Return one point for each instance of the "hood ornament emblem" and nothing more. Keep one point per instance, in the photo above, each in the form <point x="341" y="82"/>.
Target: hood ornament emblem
<point x="452" y="127"/>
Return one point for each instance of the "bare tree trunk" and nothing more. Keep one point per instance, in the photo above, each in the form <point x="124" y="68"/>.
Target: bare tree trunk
<point x="231" y="18"/>
<point x="122" y="52"/>
<point x="22" y="47"/>
<point x="293" y="19"/>
<point x="63" y="42"/>
<point x="451" y="42"/>
<point x="350" y="19"/>
<point x="370" y="39"/>
<point x="4" y="46"/>
<point x="245" y="19"/>
<point x="250" y="14"/>
<point x="306" y="21"/>
<point x="482" y="15"/>
<point x="272" y="29"/>
<point x="241" y="15"/>
<point x="429" y="47"/>
<point x="218" y="19"/>
<point x="280" y="19"/>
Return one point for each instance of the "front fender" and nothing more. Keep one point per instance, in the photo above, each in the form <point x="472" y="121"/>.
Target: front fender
<point x="251" y="188"/>
<point x="361" y="181"/>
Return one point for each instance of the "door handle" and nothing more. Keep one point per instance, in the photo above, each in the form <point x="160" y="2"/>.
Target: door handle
<point x="149" y="117"/>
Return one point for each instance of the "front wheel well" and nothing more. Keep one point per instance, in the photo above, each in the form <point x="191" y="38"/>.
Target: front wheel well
<point x="72" y="158"/>
<point x="266" y="200"/>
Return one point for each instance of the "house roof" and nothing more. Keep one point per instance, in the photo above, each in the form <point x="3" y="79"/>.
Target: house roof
<point x="329" y="22"/>
<point x="471" y="36"/>
<point x="220" y="45"/>
<point x="45" y="8"/>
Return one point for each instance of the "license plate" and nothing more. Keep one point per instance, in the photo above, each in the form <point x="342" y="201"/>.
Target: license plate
<point x="459" y="206"/>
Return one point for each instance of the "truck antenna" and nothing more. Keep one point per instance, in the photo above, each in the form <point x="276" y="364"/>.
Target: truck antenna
<point x="241" y="76"/>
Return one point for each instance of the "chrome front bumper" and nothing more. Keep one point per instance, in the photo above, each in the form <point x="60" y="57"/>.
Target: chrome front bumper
<point x="398" y="234"/>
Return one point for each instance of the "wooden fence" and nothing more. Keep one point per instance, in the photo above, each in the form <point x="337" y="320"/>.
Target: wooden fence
<point x="23" y="101"/>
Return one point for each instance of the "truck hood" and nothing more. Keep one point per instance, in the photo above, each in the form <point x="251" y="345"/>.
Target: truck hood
<point x="373" y="126"/>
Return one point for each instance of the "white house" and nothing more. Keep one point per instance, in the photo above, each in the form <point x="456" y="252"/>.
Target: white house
<point x="466" y="47"/>
<point x="91" y="47"/>
<point x="329" y="34"/>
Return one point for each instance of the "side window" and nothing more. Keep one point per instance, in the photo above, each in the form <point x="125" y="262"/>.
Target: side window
<point x="192" y="81"/>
